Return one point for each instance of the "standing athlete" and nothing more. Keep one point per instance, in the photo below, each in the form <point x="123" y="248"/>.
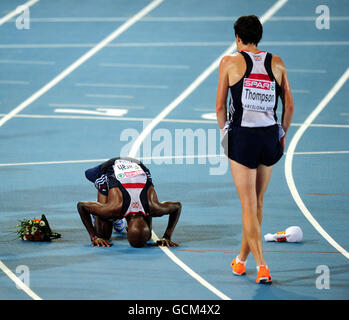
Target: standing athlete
<point x="125" y="190"/>
<point x="253" y="140"/>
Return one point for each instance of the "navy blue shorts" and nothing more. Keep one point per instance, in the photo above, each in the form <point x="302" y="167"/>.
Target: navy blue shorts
<point x="254" y="146"/>
<point x="101" y="180"/>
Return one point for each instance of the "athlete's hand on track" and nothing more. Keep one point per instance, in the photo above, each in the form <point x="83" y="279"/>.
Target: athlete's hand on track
<point x="166" y="243"/>
<point x="100" y="242"/>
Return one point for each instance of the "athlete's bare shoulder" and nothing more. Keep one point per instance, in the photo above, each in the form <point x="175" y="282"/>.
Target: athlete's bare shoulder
<point x="231" y="60"/>
<point x="233" y="66"/>
<point x="278" y="68"/>
<point x="277" y="62"/>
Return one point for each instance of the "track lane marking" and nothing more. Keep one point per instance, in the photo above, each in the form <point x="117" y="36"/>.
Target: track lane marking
<point x="289" y="159"/>
<point x="138" y="142"/>
<point x="55" y="81"/>
<point x="125" y="26"/>
<point x="17" y="11"/>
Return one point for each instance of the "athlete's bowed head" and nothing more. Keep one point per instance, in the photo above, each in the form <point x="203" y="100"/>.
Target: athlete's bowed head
<point x="138" y="231"/>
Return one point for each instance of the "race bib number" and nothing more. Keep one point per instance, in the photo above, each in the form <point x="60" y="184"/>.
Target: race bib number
<point x="258" y="95"/>
<point x="125" y="169"/>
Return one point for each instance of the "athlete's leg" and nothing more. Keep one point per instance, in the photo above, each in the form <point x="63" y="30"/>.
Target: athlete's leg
<point x="263" y="177"/>
<point x="245" y="183"/>
<point x="101" y="198"/>
<point x="262" y="180"/>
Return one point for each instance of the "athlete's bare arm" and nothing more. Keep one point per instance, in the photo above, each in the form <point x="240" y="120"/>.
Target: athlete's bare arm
<point x="158" y="209"/>
<point x="231" y="70"/>
<point x="109" y="208"/>
<point x="279" y="71"/>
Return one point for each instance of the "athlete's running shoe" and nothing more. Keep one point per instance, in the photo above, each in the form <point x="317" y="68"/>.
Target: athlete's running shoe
<point x="238" y="268"/>
<point x="263" y="275"/>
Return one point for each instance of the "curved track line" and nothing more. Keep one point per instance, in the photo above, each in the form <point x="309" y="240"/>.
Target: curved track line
<point x="203" y="76"/>
<point x="190" y="271"/>
<point x="289" y="158"/>
<point x="137" y="144"/>
<point x="17" y="11"/>
<point x="81" y="60"/>
<point x="152" y="5"/>
<point x="20" y="284"/>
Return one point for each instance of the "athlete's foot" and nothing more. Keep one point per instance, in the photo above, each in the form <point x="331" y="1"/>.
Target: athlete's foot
<point x="238" y="267"/>
<point x="263" y="275"/>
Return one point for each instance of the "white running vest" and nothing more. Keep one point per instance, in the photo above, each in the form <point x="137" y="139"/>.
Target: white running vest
<point x="133" y="179"/>
<point x="258" y="94"/>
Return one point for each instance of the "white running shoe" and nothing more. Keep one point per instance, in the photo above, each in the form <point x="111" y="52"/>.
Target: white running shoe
<point x="120" y="225"/>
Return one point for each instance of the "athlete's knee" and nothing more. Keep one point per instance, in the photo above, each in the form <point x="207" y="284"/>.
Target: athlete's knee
<point x="174" y="207"/>
<point x="80" y="206"/>
<point x="178" y="205"/>
<point x="260" y="202"/>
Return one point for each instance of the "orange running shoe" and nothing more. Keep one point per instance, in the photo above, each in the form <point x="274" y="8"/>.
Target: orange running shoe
<point x="239" y="268"/>
<point x="263" y="275"/>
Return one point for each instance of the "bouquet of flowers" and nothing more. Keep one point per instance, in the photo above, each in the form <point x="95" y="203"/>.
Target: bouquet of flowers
<point x="36" y="230"/>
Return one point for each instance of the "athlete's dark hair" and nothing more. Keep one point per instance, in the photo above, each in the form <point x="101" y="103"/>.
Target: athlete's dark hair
<point x="138" y="232"/>
<point x="249" y="29"/>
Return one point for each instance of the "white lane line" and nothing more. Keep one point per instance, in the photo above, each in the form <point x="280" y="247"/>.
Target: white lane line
<point x="190" y="271"/>
<point x="195" y="156"/>
<point x="143" y="65"/>
<point x="3" y="267"/>
<point x="306" y="71"/>
<point x="305" y="43"/>
<point x="19" y="283"/>
<point x="69" y="105"/>
<point x="300" y="91"/>
<point x="38" y="62"/>
<point x="197" y="82"/>
<point x="82" y="60"/>
<point x="308" y="18"/>
<point x="45" y="116"/>
<point x="169" y="44"/>
<point x="118" y="45"/>
<point x="320" y="125"/>
<point x="37" y="163"/>
<point x="17" y="11"/>
<point x="14" y="82"/>
<point x="320" y="152"/>
<point x="289" y="158"/>
<point x="99" y="111"/>
<point x="177" y="19"/>
<point x="59" y="78"/>
<point x="137" y="144"/>
<point x="121" y="85"/>
<point x="102" y="160"/>
<point x="108" y="96"/>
